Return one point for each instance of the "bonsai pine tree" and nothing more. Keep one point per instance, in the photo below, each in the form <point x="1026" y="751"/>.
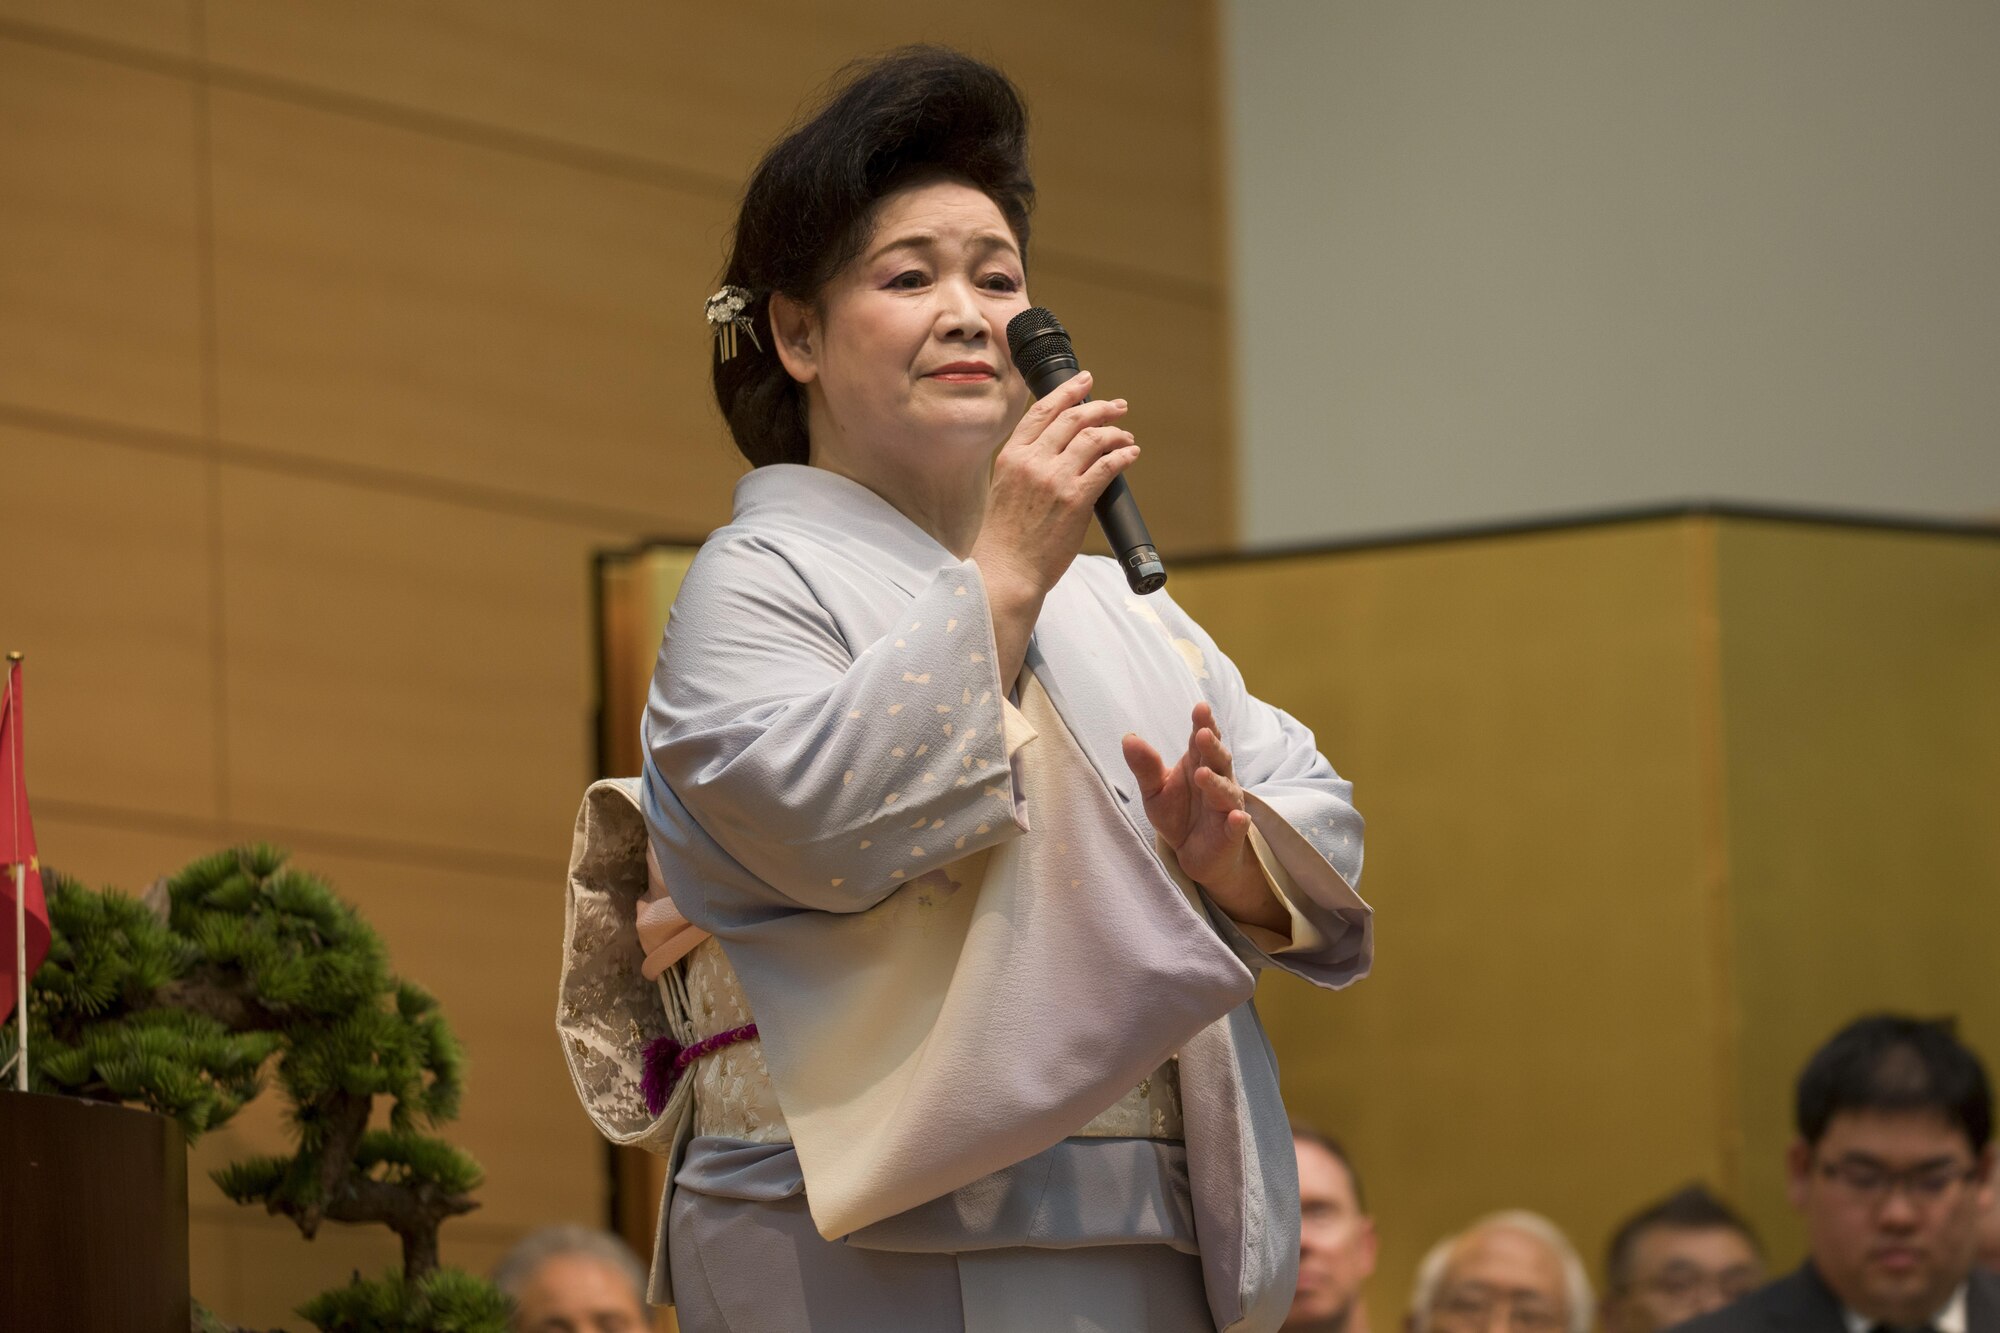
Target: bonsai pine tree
<point x="181" y="1000"/>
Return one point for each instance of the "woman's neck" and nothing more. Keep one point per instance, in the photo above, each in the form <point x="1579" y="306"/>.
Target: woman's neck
<point x="951" y="513"/>
<point x="932" y="488"/>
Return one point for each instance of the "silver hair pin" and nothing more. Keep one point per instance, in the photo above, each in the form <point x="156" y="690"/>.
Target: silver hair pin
<point x="728" y="314"/>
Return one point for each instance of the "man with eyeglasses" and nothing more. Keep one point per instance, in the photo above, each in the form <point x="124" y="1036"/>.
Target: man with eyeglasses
<point x="1891" y="1170"/>
<point x="1513" y="1271"/>
<point x="1681" y="1257"/>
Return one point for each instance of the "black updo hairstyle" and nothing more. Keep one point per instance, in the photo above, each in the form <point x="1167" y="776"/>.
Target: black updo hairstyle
<point x="917" y="113"/>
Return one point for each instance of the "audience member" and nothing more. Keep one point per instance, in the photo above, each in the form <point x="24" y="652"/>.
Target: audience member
<point x="1336" y="1239"/>
<point x="1513" y="1268"/>
<point x="1891" y="1169"/>
<point x="1681" y="1257"/>
<point x="1989" y="1230"/>
<point x="573" y="1279"/>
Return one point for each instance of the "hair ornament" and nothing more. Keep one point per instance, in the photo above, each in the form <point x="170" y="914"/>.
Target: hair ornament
<point x="728" y="313"/>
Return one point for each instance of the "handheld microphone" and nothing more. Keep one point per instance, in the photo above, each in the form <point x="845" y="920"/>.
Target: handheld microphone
<point x="1045" y="357"/>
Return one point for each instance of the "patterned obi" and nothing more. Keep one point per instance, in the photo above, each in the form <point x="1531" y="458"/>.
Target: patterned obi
<point x="734" y="1099"/>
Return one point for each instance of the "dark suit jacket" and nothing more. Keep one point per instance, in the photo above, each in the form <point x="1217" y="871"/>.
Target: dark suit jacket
<point x="1802" y="1303"/>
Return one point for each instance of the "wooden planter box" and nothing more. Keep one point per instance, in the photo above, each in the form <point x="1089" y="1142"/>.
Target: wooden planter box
<point x="93" y="1217"/>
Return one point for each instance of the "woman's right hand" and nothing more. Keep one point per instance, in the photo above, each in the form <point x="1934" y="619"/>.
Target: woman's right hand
<point x="1046" y="478"/>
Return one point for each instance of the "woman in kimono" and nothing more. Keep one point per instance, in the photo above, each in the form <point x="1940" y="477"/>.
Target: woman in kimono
<point x="991" y="850"/>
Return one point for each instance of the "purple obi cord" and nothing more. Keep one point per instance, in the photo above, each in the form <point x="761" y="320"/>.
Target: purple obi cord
<point x="666" y="1060"/>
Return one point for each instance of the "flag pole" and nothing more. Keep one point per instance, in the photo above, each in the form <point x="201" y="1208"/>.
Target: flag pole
<point x="21" y="975"/>
<point x="20" y="901"/>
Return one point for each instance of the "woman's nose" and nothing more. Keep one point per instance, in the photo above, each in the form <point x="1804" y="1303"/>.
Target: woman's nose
<point x="959" y="315"/>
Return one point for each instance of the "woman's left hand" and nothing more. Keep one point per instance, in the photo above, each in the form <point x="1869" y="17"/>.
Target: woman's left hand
<point x="1196" y="806"/>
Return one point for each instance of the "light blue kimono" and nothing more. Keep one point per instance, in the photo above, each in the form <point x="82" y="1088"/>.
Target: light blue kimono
<point x="773" y="736"/>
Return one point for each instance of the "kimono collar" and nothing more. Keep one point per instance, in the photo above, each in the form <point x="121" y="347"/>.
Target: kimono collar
<point x="840" y="511"/>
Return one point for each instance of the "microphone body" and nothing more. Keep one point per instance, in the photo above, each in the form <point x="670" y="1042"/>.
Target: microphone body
<point x="1045" y="357"/>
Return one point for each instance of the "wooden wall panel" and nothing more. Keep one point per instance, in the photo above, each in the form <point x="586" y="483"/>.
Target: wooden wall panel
<point x="105" y="586"/>
<point x="451" y="931"/>
<point x="255" y="1270"/>
<point x="1167" y="358"/>
<point x="1864" y="754"/>
<point x="360" y="327"/>
<point x="110" y="850"/>
<point x="444" y="928"/>
<point x="99" y="309"/>
<point x="1125" y="93"/>
<point x="1528" y="723"/>
<point x="390" y="299"/>
<point x="448" y="930"/>
<point x="405" y="669"/>
<point x="163" y="26"/>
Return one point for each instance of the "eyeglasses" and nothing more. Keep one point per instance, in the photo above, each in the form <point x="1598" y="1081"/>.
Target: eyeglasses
<point x="1474" y="1307"/>
<point x="1683" y="1284"/>
<point x="1872" y="1183"/>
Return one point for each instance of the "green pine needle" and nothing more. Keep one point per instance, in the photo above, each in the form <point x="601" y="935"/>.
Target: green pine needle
<point x="305" y="987"/>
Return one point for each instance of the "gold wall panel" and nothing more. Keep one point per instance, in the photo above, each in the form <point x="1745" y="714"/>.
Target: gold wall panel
<point x="419" y="305"/>
<point x="105" y="586"/>
<point x="404" y="669"/>
<point x="1125" y="95"/>
<point x="163" y="26"/>
<point x="99" y="297"/>
<point x="635" y="591"/>
<point x="1864" y="759"/>
<point x="1526" y="723"/>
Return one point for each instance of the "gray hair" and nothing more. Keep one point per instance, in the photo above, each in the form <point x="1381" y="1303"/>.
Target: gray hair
<point x="518" y="1265"/>
<point x="1581" y="1299"/>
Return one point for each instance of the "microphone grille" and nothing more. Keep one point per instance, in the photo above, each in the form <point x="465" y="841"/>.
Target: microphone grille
<point x="1036" y="337"/>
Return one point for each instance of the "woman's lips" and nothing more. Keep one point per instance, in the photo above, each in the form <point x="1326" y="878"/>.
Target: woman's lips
<point x="962" y="372"/>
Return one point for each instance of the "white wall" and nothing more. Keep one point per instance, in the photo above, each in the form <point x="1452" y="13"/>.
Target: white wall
<point x="1496" y="260"/>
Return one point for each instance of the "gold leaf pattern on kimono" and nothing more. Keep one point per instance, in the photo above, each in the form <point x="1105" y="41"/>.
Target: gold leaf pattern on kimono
<point x="1190" y="652"/>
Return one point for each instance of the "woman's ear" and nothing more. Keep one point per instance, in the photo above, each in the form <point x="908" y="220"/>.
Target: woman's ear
<point x="795" y="330"/>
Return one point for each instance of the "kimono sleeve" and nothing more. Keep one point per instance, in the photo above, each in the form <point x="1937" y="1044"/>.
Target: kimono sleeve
<point x="1308" y="835"/>
<point x="831" y="771"/>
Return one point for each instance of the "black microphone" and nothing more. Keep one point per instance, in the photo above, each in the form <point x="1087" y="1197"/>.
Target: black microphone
<point x="1044" y="356"/>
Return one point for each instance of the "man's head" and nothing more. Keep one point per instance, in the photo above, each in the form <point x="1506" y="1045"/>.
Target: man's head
<point x="1892" y="1165"/>
<point x="1336" y="1235"/>
<point x="1989" y="1231"/>
<point x="1681" y="1257"/>
<point x="1515" y="1264"/>
<point x="572" y="1279"/>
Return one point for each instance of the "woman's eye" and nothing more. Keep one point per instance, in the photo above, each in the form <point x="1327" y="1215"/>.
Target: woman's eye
<point x="1003" y="282"/>
<point x="909" y="278"/>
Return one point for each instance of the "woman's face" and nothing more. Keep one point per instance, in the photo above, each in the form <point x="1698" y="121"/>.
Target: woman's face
<point x="905" y="355"/>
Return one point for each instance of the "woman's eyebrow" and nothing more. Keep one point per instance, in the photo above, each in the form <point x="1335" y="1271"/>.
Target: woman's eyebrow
<point x="928" y="240"/>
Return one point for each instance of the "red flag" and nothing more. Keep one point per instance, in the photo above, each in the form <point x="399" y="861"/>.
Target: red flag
<point x="17" y="846"/>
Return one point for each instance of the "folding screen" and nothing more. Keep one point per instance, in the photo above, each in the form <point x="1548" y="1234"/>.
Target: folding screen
<point x="1654" y="804"/>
